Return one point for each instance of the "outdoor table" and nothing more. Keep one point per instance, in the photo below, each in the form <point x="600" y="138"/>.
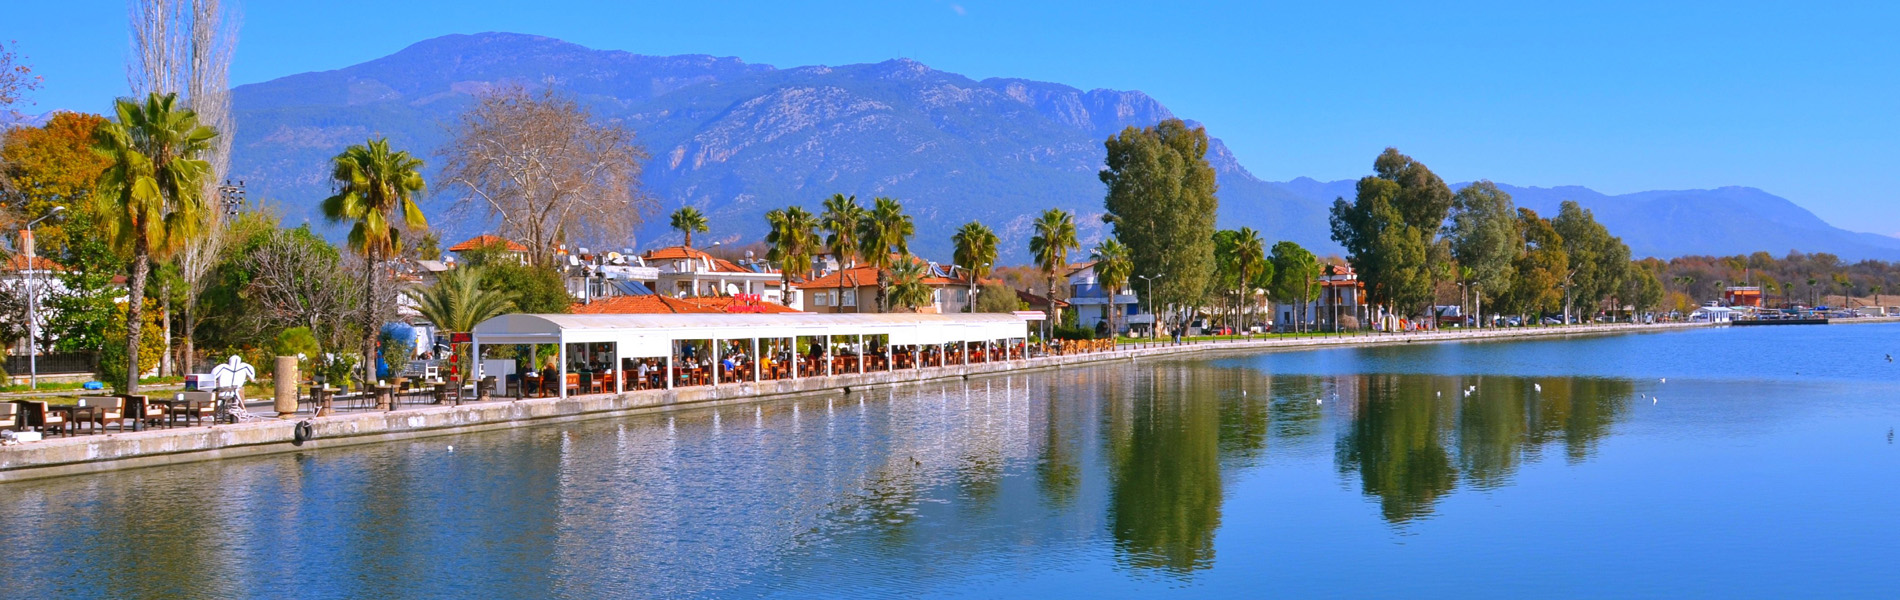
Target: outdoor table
<point x="72" y="413"/>
<point x="385" y="395"/>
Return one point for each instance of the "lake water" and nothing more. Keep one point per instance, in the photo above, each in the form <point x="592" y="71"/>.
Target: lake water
<point x="1765" y="466"/>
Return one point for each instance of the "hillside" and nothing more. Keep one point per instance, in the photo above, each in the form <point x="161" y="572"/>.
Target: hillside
<point x="738" y="139"/>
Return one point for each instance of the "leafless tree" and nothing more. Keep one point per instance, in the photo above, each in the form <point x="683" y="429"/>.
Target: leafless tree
<point x="16" y="78"/>
<point x="540" y="164"/>
<point x="299" y="282"/>
<point x="185" y="47"/>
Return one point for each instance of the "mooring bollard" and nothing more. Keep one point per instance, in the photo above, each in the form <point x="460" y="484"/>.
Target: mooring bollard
<point x="286" y="375"/>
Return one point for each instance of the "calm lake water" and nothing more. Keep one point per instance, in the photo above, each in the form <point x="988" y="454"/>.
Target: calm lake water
<point x="1765" y="466"/>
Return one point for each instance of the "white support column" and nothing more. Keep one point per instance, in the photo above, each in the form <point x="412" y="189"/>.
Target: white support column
<point x="560" y="356"/>
<point x="987" y="349"/>
<point x="889" y="358"/>
<point x="917" y="356"/>
<point x="860" y="354"/>
<point x="756" y="363"/>
<point x="620" y="374"/>
<point x="717" y="362"/>
<point x="827" y="355"/>
<point x="475" y="350"/>
<point x="795" y="357"/>
<point x="671" y="346"/>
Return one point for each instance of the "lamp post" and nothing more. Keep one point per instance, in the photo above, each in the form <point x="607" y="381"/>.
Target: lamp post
<point x="32" y="303"/>
<point x="1154" y="321"/>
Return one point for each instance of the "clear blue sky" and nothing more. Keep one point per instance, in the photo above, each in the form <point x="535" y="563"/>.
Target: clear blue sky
<point x="1799" y="99"/>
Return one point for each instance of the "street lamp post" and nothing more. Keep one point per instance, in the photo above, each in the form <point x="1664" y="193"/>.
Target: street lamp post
<point x="32" y="303"/>
<point x="1154" y="321"/>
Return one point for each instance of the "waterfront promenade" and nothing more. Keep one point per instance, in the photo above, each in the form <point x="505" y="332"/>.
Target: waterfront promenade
<point x="131" y="449"/>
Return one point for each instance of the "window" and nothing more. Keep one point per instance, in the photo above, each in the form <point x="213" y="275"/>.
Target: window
<point x="936" y="296"/>
<point x="963" y="296"/>
<point x="820" y="299"/>
<point x="850" y="298"/>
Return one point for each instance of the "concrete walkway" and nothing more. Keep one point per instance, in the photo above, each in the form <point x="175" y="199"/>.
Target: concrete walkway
<point x="120" y="450"/>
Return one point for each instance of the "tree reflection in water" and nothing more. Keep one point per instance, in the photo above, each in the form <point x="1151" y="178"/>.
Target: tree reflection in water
<point x="1413" y="438"/>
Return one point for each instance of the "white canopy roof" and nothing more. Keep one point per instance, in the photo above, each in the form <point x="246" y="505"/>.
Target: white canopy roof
<point x="652" y="335"/>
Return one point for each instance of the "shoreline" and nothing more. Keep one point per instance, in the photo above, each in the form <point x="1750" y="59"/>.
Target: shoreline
<point x="76" y="455"/>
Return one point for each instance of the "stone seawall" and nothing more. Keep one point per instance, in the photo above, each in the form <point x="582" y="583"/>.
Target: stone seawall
<point x="94" y="453"/>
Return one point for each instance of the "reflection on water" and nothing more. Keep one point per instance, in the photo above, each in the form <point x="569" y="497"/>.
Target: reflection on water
<point x="1413" y="438"/>
<point x="1051" y="482"/>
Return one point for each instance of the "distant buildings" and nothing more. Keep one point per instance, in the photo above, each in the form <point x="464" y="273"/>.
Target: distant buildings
<point x="1093" y="302"/>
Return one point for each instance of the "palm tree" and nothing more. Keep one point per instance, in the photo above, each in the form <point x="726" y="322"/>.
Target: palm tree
<point x="150" y="196"/>
<point x="908" y="290"/>
<point x="841" y="220"/>
<point x="1249" y="253"/>
<point x="1811" y="283"/>
<point x="883" y="237"/>
<point x="688" y="220"/>
<point x="1055" y="237"/>
<point x="1876" y="289"/>
<point x="376" y="189"/>
<point x="976" y="251"/>
<point x="1113" y="267"/>
<point x="457" y="301"/>
<point x="793" y="237"/>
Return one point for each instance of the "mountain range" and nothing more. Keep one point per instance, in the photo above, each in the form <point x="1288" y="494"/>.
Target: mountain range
<point x="737" y="139"/>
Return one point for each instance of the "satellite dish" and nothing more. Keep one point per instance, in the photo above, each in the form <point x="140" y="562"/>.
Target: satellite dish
<point x="573" y="261"/>
<point x="732" y="290"/>
<point x="613" y="257"/>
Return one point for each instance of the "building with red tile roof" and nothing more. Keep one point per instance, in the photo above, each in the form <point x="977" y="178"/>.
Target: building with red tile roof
<point x="486" y="240"/>
<point x="653" y="305"/>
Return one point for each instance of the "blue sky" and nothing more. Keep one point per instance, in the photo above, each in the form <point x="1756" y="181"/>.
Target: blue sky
<point x="1800" y="99"/>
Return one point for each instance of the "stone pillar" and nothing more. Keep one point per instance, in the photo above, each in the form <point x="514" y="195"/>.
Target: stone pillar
<point x="286" y="376"/>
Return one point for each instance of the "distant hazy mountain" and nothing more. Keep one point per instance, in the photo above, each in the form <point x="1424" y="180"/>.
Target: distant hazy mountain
<point x="738" y="139"/>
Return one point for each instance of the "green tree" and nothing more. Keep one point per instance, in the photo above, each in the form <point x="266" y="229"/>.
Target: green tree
<point x="908" y="290"/>
<point x="1162" y="199"/>
<point x="82" y="307"/>
<point x="533" y="289"/>
<point x="884" y="237"/>
<point x="1295" y="276"/>
<point x="1113" y="267"/>
<point x="150" y="194"/>
<point x="1598" y="260"/>
<point x="1540" y="265"/>
<point x="842" y="220"/>
<point x="688" y="220"/>
<point x="1050" y="246"/>
<point x="997" y="298"/>
<point x="1640" y="288"/>
<point x="1484" y="238"/>
<point x="458" y="300"/>
<point x="975" y="251"/>
<point x="376" y="190"/>
<point x="1390" y="230"/>
<point x="794" y="241"/>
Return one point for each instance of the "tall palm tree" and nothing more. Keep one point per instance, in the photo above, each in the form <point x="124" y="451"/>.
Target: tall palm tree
<point x="688" y="220"/>
<point x="794" y="239"/>
<point x="1249" y="254"/>
<point x="1811" y="283"/>
<point x="1876" y="289"/>
<point x="908" y="291"/>
<point x="841" y="220"/>
<point x="976" y="250"/>
<point x="376" y="189"/>
<point x="150" y="196"/>
<point x="457" y="301"/>
<point x="1113" y="267"/>
<point x="1055" y="237"/>
<point x="883" y="237"/>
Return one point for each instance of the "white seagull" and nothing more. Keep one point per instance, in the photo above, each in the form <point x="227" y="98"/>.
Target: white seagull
<point x="1538" y="387"/>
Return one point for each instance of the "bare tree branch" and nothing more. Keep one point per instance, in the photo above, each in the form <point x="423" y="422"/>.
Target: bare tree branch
<point x="539" y="164"/>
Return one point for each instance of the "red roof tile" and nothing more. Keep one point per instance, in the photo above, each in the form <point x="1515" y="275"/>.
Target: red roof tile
<point x="485" y="240"/>
<point x="648" y="305"/>
<point x="18" y="262"/>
